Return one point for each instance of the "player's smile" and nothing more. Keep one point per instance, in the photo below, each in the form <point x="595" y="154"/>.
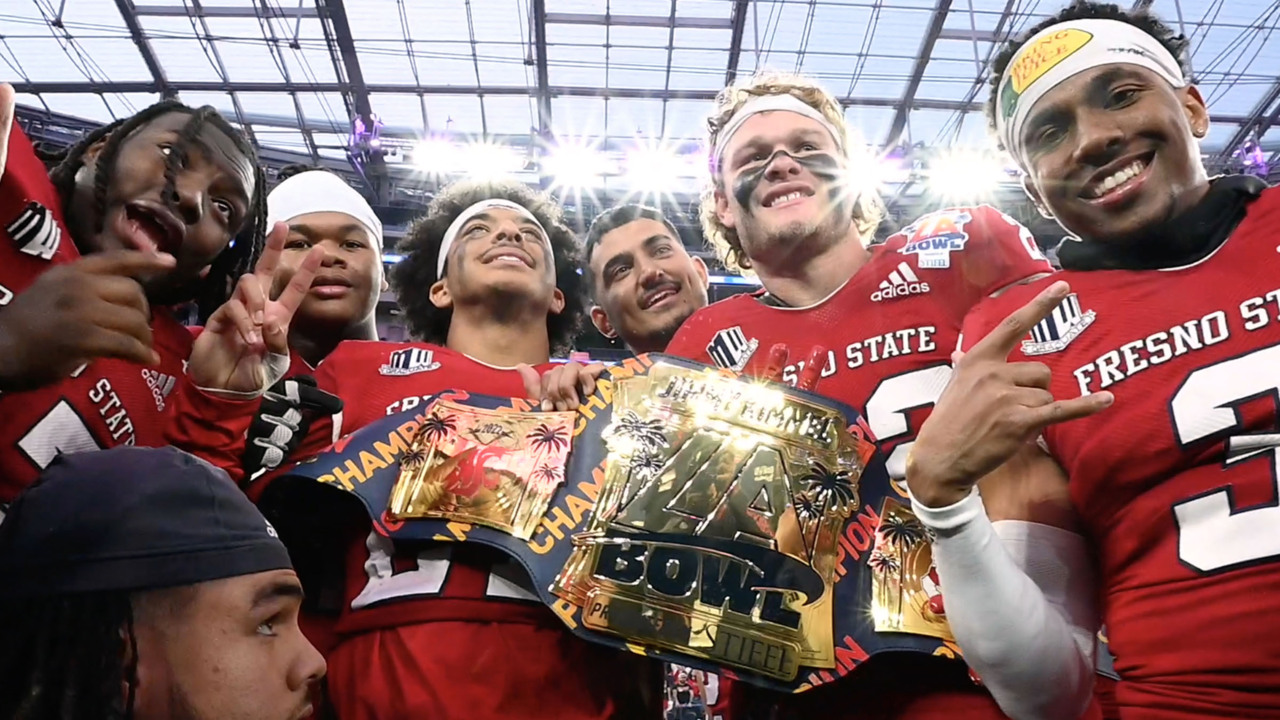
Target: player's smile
<point x="1119" y="181"/>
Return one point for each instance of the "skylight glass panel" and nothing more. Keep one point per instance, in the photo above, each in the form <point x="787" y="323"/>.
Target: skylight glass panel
<point x="579" y="117"/>
<point x="658" y="8"/>
<point x="706" y="8"/>
<point x="510" y="114"/>
<point x="401" y="111"/>
<point x="960" y="19"/>
<point x="1238" y="98"/>
<point x="575" y="34"/>
<point x="126" y="104"/>
<point x="687" y="119"/>
<point x="631" y="117"/>
<point x="833" y="71"/>
<point x="839" y="29"/>
<point x="698" y="69"/>
<point x="638" y="36"/>
<point x="323" y="107"/>
<point x="576" y="66"/>
<point x="498" y="20"/>
<point x="219" y="101"/>
<point x="595" y="7"/>
<point x="272" y="104"/>
<point x="946" y="80"/>
<point x="944" y="49"/>
<point x="81" y="105"/>
<point x="183" y="60"/>
<point x="248" y="60"/>
<point x="330" y="144"/>
<point x="311" y="63"/>
<point x="276" y="137"/>
<point x="385" y="62"/>
<point x="703" y="38"/>
<point x="376" y="20"/>
<point x="447" y="64"/>
<point x="870" y="123"/>
<point x="883" y="77"/>
<point x="637" y="68"/>
<point x="777" y="61"/>
<point x="502" y="64"/>
<point x="438" y="21"/>
<point x="455" y="113"/>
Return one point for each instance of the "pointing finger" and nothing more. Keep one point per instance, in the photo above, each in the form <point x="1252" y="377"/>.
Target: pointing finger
<point x="1061" y="411"/>
<point x="1004" y="337"/>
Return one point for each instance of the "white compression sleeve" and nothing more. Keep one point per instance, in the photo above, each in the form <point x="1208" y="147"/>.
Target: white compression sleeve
<point x="1020" y="600"/>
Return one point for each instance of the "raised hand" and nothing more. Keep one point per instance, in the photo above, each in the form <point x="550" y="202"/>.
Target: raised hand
<point x="74" y="313"/>
<point x="233" y="353"/>
<point x="990" y="409"/>
<point x="8" y="102"/>
<point x="562" y="387"/>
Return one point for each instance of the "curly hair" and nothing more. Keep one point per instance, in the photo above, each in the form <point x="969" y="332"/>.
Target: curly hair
<point x="1176" y="43"/>
<point x="413" y="276"/>
<point x="867" y="208"/>
<point x="240" y="254"/>
<point x="66" y="657"/>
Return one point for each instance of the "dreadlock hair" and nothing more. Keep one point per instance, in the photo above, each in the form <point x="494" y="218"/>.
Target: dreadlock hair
<point x="289" y="171"/>
<point x="413" y="276"/>
<point x="242" y="252"/>
<point x="65" y="658"/>
<point x="1176" y="43"/>
<point x="614" y="218"/>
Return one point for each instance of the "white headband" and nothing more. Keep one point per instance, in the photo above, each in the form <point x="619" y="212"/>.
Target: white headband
<point x="456" y="227"/>
<point x="1067" y="49"/>
<point x="785" y="102"/>
<point x="318" y="191"/>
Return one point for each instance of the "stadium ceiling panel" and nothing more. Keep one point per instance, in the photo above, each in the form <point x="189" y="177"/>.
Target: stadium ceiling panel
<point x="361" y="85"/>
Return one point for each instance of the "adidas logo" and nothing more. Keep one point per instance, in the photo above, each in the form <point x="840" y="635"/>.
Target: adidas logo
<point x="901" y="282"/>
<point x="35" y="231"/>
<point x="161" y="385"/>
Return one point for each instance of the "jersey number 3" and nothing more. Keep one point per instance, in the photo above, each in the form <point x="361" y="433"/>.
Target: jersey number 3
<point x="1211" y="534"/>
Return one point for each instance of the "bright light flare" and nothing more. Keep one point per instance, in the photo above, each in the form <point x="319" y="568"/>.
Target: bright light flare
<point x="575" y="166"/>
<point x="965" y="173"/>
<point x="654" y="169"/>
<point x="437" y="156"/>
<point x="487" y="160"/>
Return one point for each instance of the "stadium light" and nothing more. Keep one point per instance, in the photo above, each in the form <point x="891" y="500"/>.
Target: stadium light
<point x="437" y="156"/>
<point x="485" y="160"/>
<point x="965" y="173"/>
<point x="653" y="168"/>
<point x="575" y="165"/>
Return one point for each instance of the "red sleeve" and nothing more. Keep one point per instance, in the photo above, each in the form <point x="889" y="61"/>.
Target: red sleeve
<point x="31" y="220"/>
<point x="1002" y="252"/>
<point x="990" y="312"/>
<point x="214" y="428"/>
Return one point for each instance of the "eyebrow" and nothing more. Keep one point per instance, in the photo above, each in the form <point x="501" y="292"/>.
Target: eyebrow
<point x="487" y="217"/>
<point x="278" y="590"/>
<point x="313" y="233"/>
<point x="619" y="259"/>
<point x="654" y="240"/>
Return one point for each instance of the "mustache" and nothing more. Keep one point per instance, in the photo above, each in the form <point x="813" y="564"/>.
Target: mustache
<point x="824" y="166"/>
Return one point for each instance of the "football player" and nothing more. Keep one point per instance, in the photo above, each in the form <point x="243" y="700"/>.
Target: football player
<point x="489" y="281"/>
<point x="873" y="326"/>
<point x="1165" y="339"/>
<point x="136" y="218"/>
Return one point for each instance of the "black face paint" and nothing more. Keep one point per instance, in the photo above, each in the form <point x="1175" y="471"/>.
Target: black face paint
<point x="824" y="166"/>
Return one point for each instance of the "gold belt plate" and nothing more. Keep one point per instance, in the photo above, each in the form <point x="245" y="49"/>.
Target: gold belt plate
<point x="498" y="468"/>
<point x="715" y="531"/>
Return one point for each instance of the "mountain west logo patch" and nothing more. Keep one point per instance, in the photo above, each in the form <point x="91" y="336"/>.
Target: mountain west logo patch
<point x="901" y="282"/>
<point x="730" y="349"/>
<point x="1058" y="330"/>
<point x="934" y="237"/>
<point x="409" y="361"/>
<point x="36" y="231"/>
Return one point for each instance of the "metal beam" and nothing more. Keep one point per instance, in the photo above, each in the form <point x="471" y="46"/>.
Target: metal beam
<point x="738" y="19"/>
<point x="128" y="11"/>
<point x="333" y="18"/>
<point x="638" y="21"/>
<point x="917" y="73"/>
<point x="1258" y="123"/>
<point x="970" y="35"/>
<point x="543" y="89"/>
<point x="247" y="11"/>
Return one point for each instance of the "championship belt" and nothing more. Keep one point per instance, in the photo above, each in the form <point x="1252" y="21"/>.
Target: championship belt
<point x="681" y="512"/>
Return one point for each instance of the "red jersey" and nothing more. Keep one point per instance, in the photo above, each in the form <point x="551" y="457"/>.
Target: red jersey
<point x="108" y="402"/>
<point x="888" y="334"/>
<point x="1176" y="482"/>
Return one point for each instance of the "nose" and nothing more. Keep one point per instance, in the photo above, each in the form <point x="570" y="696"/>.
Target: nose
<point x="649" y="273"/>
<point x="331" y="255"/>
<point x="1099" y="138"/>
<point x="507" y="231"/>
<point x="781" y="166"/>
<point x="308" y="669"/>
<point x="188" y="197"/>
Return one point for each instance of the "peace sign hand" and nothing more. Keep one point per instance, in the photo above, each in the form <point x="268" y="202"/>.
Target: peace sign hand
<point x="233" y="351"/>
<point x="990" y="409"/>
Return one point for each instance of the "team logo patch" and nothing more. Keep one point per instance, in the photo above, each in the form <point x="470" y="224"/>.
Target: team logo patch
<point x="1058" y="330"/>
<point x="1037" y="59"/>
<point x="901" y="282"/>
<point x="934" y="237"/>
<point x="409" y="361"/>
<point x="730" y="349"/>
<point x="36" y="231"/>
<point x="161" y="385"/>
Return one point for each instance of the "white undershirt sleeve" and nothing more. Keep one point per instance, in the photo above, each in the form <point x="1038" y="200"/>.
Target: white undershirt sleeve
<point x="1020" y="598"/>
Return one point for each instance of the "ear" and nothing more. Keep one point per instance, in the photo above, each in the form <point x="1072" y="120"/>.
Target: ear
<point x="600" y="319"/>
<point x="1197" y="114"/>
<point x="440" y="296"/>
<point x="557" y="302"/>
<point x="1029" y="188"/>
<point x="723" y="211"/>
<point x="384" y="285"/>
<point x="701" y="268"/>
